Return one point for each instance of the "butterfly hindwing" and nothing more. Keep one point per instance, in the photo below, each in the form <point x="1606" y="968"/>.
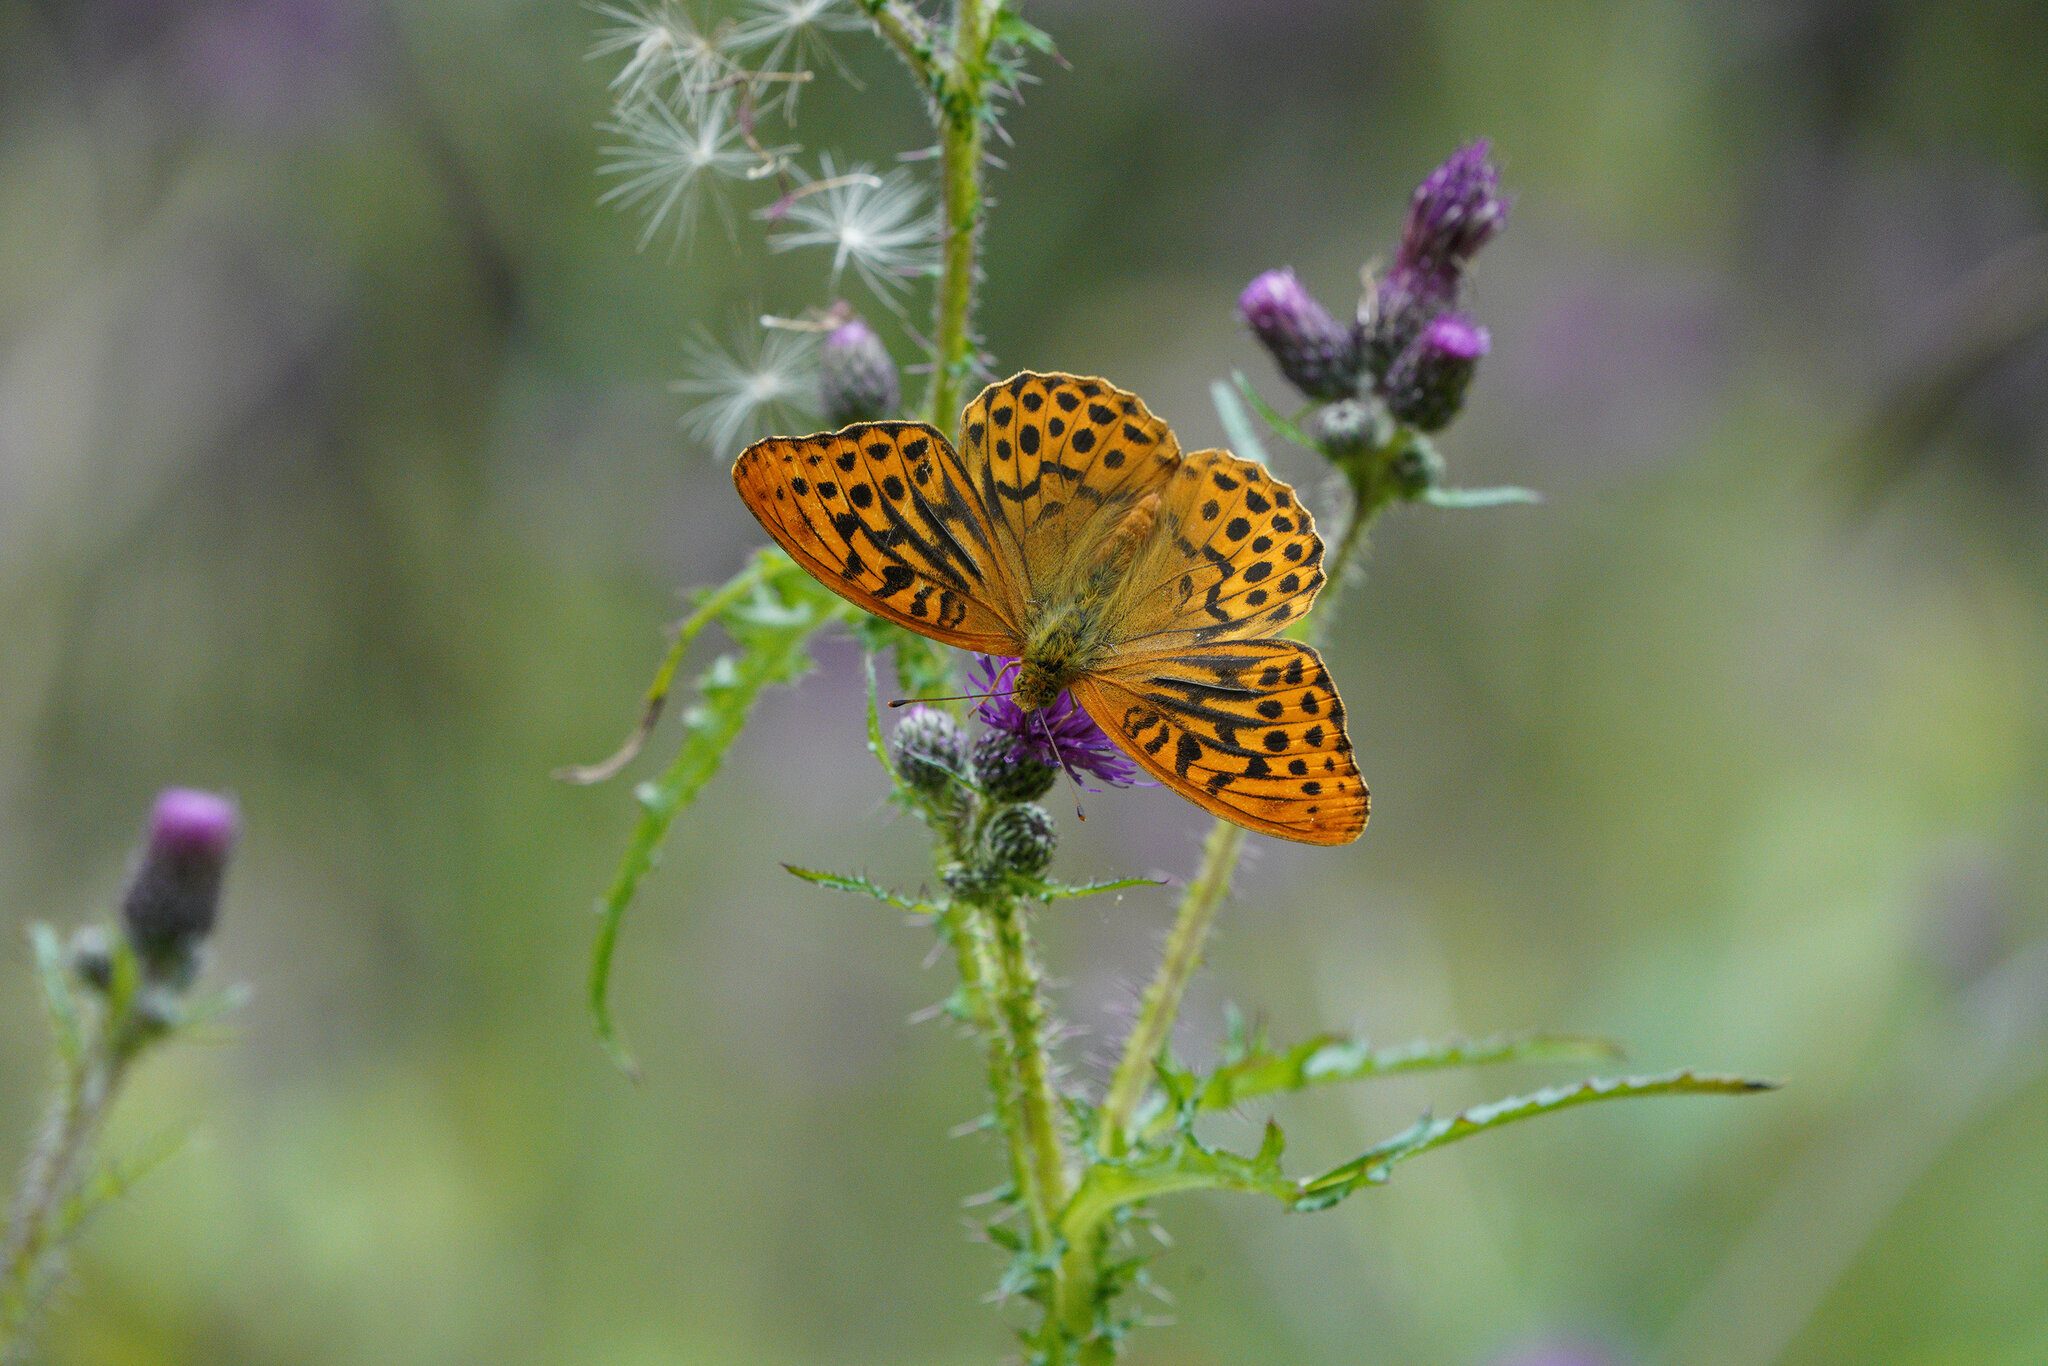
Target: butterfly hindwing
<point x="1057" y="459"/>
<point x="883" y="514"/>
<point x="1252" y="730"/>
<point x="1236" y="558"/>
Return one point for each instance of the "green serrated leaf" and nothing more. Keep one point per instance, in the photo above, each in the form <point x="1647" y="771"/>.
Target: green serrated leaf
<point x="1286" y="426"/>
<point x="710" y="604"/>
<point x="1011" y="27"/>
<point x="1504" y="496"/>
<point x="112" y="1180"/>
<point x="1060" y="891"/>
<point x="775" y="609"/>
<point x="1237" y="424"/>
<point x="1184" y="1163"/>
<point x="1252" y="1070"/>
<point x="1429" y="1134"/>
<point x="861" y="886"/>
<point x="53" y="970"/>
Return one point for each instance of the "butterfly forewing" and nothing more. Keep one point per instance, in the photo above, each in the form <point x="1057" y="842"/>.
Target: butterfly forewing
<point x="1251" y="730"/>
<point x="1057" y="460"/>
<point x="883" y="514"/>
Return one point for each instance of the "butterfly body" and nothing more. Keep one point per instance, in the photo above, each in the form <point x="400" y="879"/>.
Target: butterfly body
<point x="1072" y="534"/>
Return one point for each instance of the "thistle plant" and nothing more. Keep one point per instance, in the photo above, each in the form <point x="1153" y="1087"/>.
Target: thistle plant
<point x="112" y="997"/>
<point x="1087" y="1166"/>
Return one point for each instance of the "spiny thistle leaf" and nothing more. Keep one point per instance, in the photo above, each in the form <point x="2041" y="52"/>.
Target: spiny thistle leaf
<point x="711" y="604"/>
<point x="771" y="617"/>
<point x="1271" y="416"/>
<point x="1254" y="1070"/>
<point x="1059" y="891"/>
<point x="1504" y="496"/>
<point x="861" y="886"/>
<point x="66" y="1024"/>
<point x="1237" y="424"/>
<point x="1427" y="1134"/>
<point x="1185" y="1163"/>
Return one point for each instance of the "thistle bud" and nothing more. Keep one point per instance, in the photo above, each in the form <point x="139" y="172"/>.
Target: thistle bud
<point x="174" y="895"/>
<point x="1020" y="839"/>
<point x="1009" y="770"/>
<point x="1317" y="354"/>
<point x="1456" y="210"/>
<point x="856" y="378"/>
<point x="1344" y="428"/>
<point x="92" y="957"/>
<point x="1426" y="383"/>
<point x="931" y="752"/>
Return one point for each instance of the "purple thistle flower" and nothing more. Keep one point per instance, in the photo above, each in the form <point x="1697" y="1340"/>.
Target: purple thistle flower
<point x="174" y="896"/>
<point x="1052" y="734"/>
<point x="856" y="378"/>
<point x="1456" y="210"/>
<point x="1317" y="354"/>
<point x="1426" y="384"/>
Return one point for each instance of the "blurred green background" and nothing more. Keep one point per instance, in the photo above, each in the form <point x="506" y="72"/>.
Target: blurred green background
<point x="337" y="468"/>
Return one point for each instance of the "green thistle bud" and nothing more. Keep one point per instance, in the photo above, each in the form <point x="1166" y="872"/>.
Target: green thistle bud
<point x="1418" y="469"/>
<point x="1345" y="428"/>
<point x="931" y="752"/>
<point x="1008" y="770"/>
<point x="1020" y="839"/>
<point x="92" y="957"/>
<point x="970" y="882"/>
<point x="856" y="379"/>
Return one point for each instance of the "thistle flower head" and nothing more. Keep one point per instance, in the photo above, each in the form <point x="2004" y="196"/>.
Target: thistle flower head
<point x="174" y="895"/>
<point x="1061" y="733"/>
<point x="1456" y="210"/>
<point x="764" y="378"/>
<point x="857" y="380"/>
<point x="1318" y="355"/>
<point x="670" y="164"/>
<point x="880" y="226"/>
<point x="1426" y="384"/>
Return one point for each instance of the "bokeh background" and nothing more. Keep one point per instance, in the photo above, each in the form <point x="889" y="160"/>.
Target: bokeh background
<point x="338" y="469"/>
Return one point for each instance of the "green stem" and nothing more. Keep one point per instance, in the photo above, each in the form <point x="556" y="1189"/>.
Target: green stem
<point x="1020" y="1000"/>
<point x="32" y="1260"/>
<point x="962" y="117"/>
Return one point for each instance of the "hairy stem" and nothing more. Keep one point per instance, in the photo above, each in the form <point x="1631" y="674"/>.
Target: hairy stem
<point x="962" y="107"/>
<point x="32" y="1260"/>
<point x="1021" y="1002"/>
<point x="1189" y="939"/>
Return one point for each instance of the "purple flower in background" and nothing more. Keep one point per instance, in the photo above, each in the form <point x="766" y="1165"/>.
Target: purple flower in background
<point x="1061" y="733"/>
<point x="1317" y="354"/>
<point x="1456" y="210"/>
<point x="174" y="896"/>
<point x="1426" y="384"/>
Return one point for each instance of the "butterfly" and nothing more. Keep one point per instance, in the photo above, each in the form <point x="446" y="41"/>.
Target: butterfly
<point x="1070" y="532"/>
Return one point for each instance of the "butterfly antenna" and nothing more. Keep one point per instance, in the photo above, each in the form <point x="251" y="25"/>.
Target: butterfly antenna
<point x="1061" y="759"/>
<point x="965" y="696"/>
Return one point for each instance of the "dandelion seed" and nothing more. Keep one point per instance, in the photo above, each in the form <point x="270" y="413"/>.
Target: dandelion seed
<point x="761" y="381"/>
<point x="670" y="163"/>
<point x="791" y="35"/>
<point x="665" y="49"/>
<point x="880" y="226"/>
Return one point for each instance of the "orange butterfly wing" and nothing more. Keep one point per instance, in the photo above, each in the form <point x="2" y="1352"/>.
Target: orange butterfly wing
<point x="1235" y="557"/>
<point x="1251" y="730"/>
<point x="884" y="514"/>
<point x="1058" y="459"/>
